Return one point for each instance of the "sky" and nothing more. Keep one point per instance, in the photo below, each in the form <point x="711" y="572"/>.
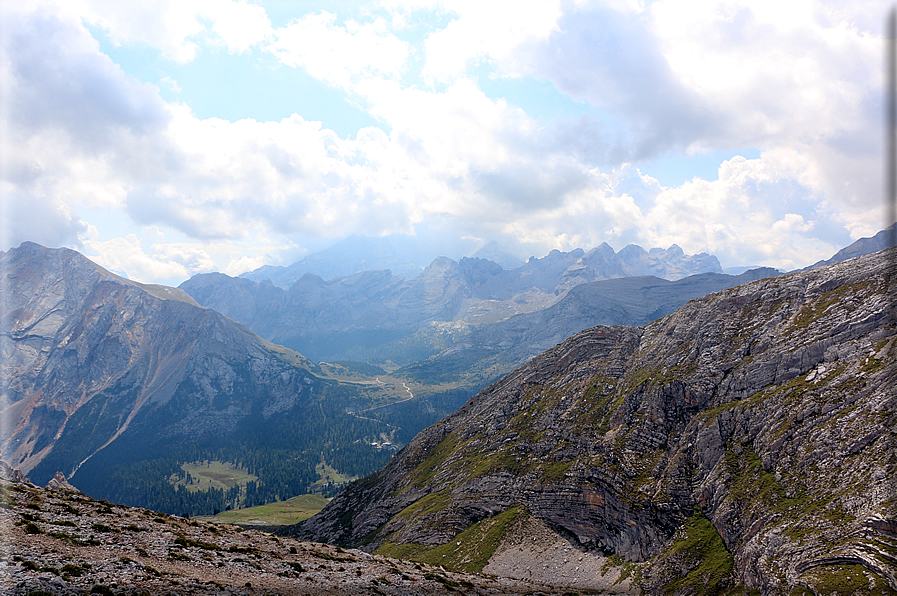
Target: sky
<point x="164" y="139"/>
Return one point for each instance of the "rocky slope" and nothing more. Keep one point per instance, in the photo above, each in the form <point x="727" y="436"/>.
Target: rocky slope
<point x="64" y="543"/>
<point x="747" y="441"/>
<point x="100" y="374"/>
<point x="863" y="246"/>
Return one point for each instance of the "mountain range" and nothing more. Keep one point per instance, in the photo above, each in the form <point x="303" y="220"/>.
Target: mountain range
<point x="490" y="350"/>
<point x="402" y="255"/>
<point x="377" y="316"/>
<point x="745" y="442"/>
<point x="742" y="442"/>
<point x="117" y="384"/>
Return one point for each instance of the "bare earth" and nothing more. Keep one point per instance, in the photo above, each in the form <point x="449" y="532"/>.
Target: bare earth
<point x="534" y="552"/>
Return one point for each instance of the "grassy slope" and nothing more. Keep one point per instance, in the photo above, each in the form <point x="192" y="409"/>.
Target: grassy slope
<point x="282" y="513"/>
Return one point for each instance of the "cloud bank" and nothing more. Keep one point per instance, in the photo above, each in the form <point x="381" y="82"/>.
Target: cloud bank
<point x="797" y="85"/>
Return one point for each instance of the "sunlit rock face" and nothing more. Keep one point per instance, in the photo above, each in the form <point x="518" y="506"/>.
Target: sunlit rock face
<point x="759" y="420"/>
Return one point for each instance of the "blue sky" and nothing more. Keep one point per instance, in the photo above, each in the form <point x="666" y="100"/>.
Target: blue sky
<point x="168" y="138"/>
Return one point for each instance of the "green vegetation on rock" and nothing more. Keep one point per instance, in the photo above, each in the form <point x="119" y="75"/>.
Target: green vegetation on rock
<point x="282" y="513"/>
<point x="702" y="548"/>
<point x="844" y="580"/>
<point x="467" y="552"/>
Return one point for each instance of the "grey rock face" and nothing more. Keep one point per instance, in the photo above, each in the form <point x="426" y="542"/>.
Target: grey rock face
<point x="58" y="482"/>
<point x="77" y="339"/>
<point x="766" y="410"/>
<point x="10" y="474"/>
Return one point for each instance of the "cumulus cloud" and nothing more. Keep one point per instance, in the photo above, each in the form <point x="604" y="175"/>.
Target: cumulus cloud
<point x="147" y="258"/>
<point x="340" y="54"/>
<point x="731" y="73"/>
<point x="178" y="28"/>
<point x="486" y="31"/>
<point x="757" y="211"/>
<point x="26" y="217"/>
<point x="80" y="133"/>
<point x="56" y="78"/>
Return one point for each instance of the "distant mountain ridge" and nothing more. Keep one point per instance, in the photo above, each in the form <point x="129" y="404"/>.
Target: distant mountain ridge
<point x="494" y="349"/>
<point x="495" y="253"/>
<point x="352" y="317"/>
<point x="347" y="257"/>
<point x="358" y="254"/>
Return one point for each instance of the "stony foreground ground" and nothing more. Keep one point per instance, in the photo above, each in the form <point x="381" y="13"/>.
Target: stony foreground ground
<point x="61" y="542"/>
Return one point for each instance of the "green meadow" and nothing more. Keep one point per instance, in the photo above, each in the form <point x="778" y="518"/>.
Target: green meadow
<point x="282" y="513"/>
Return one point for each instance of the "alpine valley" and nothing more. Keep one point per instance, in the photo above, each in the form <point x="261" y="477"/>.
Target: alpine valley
<point x="715" y="434"/>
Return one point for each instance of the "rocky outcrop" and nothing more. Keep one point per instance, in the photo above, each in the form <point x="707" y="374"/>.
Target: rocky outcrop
<point x="10" y="474"/>
<point x="746" y="439"/>
<point x="58" y="482"/>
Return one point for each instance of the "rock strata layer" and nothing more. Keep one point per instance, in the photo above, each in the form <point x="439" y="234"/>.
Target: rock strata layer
<point x="745" y="441"/>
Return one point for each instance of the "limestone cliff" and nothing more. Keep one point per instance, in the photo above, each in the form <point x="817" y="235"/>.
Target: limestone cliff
<point x="745" y="441"/>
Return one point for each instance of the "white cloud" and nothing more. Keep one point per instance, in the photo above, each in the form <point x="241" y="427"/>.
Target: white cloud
<point x="489" y="31"/>
<point x="339" y="55"/>
<point x="168" y="262"/>
<point x="80" y="133"/>
<point x="757" y="212"/>
<point x="178" y="27"/>
<point x="792" y="72"/>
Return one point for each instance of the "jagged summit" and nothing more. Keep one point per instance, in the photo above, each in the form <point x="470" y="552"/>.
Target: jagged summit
<point x="375" y="311"/>
<point x="745" y="440"/>
<point x="58" y="482"/>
